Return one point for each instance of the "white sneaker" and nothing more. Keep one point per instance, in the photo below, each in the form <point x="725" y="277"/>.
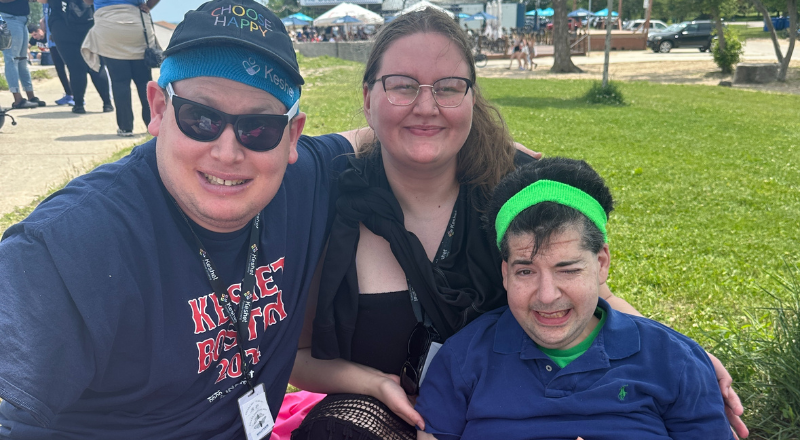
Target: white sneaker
<point x="123" y="133"/>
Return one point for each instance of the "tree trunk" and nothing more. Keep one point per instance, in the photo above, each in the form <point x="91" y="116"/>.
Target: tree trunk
<point x="791" y="5"/>
<point x="720" y="30"/>
<point x="562" y="61"/>
<point x="768" y="20"/>
<point x="619" y="17"/>
<point x="608" y="44"/>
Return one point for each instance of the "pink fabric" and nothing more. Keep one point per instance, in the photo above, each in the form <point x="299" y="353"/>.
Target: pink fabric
<point x="294" y="409"/>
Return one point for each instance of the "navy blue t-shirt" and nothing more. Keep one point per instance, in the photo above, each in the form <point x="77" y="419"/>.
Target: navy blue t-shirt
<point x="112" y="328"/>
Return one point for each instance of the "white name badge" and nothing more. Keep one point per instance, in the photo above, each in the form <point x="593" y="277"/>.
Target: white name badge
<point x="435" y="346"/>
<point x="256" y="417"/>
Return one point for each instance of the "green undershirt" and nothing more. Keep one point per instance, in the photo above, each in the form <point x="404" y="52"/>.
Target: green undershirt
<point x="562" y="358"/>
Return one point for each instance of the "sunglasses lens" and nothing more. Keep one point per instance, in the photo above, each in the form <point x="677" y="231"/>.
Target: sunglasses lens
<point x="408" y="379"/>
<point x="260" y="133"/>
<point x="199" y="123"/>
<point x="419" y="341"/>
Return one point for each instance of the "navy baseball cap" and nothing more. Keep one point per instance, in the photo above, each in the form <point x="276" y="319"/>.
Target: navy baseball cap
<point x="242" y="23"/>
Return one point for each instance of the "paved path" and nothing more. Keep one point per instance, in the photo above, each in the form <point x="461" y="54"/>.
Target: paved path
<point x="50" y="145"/>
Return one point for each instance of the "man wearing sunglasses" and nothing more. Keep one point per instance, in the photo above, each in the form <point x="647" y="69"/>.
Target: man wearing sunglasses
<point x="558" y="362"/>
<point x="162" y="296"/>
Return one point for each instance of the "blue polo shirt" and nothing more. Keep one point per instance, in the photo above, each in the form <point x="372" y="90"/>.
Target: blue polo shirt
<point x="639" y="379"/>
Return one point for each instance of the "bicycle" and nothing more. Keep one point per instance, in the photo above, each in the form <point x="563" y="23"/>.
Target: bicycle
<point x="481" y="60"/>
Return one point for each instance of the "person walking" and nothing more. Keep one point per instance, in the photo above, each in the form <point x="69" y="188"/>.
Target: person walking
<point x="58" y="62"/>
<point x="118" y="41"/>
<point x="70" y="21"/>
<point x="15" y="14"/>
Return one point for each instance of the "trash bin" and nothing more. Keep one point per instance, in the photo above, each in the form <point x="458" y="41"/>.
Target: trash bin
<point x="47" y="59"/>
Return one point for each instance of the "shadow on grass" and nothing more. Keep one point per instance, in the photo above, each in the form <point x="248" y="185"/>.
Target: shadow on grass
<point x="523" y="102"/>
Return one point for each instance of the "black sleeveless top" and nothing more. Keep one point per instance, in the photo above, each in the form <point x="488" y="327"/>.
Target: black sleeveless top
<point x="383" y="326"/>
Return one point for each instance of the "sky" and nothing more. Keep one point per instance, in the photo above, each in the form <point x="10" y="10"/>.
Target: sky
<point x="173" y="10"/>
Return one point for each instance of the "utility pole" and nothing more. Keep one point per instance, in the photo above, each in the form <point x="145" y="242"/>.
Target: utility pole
<point x="648" y="6"/>
<point x="619" y="15"/>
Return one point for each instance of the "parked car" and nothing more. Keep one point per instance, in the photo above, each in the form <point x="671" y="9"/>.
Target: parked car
<point x="638" y="26"/>
<point x="687" y="34"/>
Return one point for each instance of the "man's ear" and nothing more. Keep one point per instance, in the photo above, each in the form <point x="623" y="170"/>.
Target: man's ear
<point x="158" y="106"/>
<point x="504" y="268"/>
<point x="604" y="258"/>
<point x="295" y="130"/>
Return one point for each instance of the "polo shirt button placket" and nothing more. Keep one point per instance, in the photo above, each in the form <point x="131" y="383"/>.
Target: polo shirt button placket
<point x="548" y="368"/>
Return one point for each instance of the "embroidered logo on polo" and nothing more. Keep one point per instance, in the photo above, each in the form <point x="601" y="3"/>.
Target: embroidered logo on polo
<point x="622" y="393"/>
<point x="208" y="315"/>
<point x="240" y="17"/>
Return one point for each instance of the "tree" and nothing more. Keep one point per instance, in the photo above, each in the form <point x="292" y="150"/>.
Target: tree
<point x="562" y="57"/>
<point x="607" y="45"/>
<point x="791" y="9"/>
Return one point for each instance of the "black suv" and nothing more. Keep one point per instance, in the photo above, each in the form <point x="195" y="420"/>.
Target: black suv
<point x="687" y="34"/>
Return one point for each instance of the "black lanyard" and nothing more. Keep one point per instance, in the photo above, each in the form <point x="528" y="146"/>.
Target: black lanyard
<point x="241" y="319"/>
<point x="441" y="254"/>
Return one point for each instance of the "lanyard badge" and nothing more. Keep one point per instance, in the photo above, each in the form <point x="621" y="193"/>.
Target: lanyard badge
<point x="253" y="407"/>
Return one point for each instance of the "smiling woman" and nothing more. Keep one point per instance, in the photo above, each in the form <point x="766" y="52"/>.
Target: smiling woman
<point x="408" y="263"/>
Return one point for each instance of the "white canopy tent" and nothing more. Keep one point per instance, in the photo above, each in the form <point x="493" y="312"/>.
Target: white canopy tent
<point x="365" y="16"/>
<point x="422" y="5"/>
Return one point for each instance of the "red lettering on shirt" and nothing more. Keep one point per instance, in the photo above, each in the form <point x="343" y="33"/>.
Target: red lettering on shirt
<point x="202" y="320"/>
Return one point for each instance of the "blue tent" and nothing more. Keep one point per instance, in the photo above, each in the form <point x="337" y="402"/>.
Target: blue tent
<point x="462" y="15"/>
<point x="547" y="12"/>
<point x="346" y="20"/>
<point x="604" y="13"/>
<point x="301" y="16"/>
<point x="294" y="21"/>
<point x="580" y="12"/>
<point x="481" y="16"/>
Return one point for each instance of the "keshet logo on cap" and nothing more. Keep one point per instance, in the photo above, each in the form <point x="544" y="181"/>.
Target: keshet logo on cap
<point x="234" y="63"/>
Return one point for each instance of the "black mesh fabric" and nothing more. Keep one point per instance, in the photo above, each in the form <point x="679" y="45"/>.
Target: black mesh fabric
<point x="353" y="417"/>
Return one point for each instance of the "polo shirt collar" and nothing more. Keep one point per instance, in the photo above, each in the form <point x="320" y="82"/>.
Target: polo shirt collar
<point x="619" y="337"/>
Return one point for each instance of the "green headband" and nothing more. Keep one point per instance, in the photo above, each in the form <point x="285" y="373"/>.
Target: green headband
<point x="550" y="191"/>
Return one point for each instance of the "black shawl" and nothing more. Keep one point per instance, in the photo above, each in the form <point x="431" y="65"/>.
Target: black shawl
<point x="463" y="285"/>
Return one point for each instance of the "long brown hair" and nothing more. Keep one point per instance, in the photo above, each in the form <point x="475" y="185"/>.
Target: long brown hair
<point x="488" y="152"/>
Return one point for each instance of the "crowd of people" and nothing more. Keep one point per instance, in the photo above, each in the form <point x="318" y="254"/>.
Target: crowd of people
<point x="104" y="40"/>
<point x="313" y="34"/>
<point x="178" y="291"/>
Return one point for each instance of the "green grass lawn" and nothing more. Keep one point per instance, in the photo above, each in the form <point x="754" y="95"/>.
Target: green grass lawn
<point x="706" y="180"/>
<point x="746" y="33"/>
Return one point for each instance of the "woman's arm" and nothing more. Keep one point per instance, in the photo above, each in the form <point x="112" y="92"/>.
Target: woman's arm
<point x="341" y="376"/>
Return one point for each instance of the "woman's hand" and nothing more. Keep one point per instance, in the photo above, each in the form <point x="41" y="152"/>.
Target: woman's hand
<point x="525" y="150"/>
<point x="392" y="395"/>
<point x="733" y="406"/>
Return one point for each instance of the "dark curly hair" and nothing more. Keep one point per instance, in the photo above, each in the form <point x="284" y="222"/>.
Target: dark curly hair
<point x="545" y="219"/>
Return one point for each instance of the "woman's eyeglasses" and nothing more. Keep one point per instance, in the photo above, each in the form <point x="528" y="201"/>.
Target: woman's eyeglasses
<point x="403" y="90"/>
<point x="202" y="123"/>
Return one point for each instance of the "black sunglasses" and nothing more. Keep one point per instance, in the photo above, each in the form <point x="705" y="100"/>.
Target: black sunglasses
<point x="418" y="345"/>
<point x="202" y="123"/>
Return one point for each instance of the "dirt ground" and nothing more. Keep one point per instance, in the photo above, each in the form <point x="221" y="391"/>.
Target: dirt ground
<point x="665" y="72"/>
